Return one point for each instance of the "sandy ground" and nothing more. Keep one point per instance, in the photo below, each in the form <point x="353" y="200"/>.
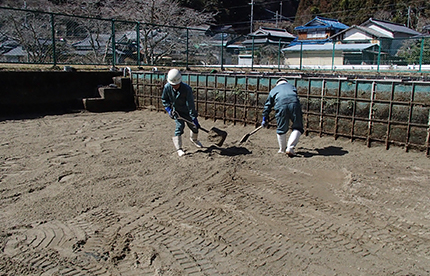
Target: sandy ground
<point x="106" y="194"/>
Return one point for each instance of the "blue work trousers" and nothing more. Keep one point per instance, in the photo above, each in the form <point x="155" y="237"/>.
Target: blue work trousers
<point x="289" y="112"/>
<point x="180" y="124"/>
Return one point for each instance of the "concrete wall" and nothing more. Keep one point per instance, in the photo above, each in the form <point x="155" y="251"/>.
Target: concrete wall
<point x="49" y="92"/>
<point x="317" y="58"/>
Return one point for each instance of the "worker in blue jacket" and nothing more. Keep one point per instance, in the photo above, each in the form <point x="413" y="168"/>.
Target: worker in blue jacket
<point x="178" y="101"/>
<point x="284" y="100"/>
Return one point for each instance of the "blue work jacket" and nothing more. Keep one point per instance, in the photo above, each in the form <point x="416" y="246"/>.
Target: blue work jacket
<point x="280" y="97"/>
<point x="181" y="101"/>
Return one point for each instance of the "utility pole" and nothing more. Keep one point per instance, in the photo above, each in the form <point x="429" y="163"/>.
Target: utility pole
<point x="280" y="11"/>
<point x="252" y="14"/>
<point x="25" y="18"/>
<point x="409" y="16"/>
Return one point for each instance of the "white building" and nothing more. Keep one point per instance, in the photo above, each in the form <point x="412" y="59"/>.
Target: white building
<point x="370" y="43"/>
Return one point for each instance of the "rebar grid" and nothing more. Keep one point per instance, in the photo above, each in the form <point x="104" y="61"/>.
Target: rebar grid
<point x="392" y="112"/>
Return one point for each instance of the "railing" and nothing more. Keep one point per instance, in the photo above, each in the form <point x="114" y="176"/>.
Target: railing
<point x="388" y="111"/>
<point x="36" y="37"/>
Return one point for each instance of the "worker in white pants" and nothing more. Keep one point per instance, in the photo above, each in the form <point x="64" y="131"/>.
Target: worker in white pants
<point x="284" y="100"/>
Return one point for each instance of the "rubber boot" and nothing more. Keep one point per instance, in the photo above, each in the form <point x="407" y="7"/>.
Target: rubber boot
<point x="282" y="141"/>
<point x="292" y="142"/>
<point x="177" y="141"/>
<point x="194" y="139"/>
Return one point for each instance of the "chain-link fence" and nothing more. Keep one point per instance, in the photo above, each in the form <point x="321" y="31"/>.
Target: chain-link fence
<point x="37" y="37"/>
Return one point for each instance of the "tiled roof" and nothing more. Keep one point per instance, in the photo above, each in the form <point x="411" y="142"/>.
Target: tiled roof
<point x="18" y="51"/>
<point x="271" y="32"/>
<point x="393" y="27"/>
<point x="367" y="30"/>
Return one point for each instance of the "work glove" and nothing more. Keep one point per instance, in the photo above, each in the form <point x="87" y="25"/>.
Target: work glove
<point x="171" y="112"/>
<point x="264" y="123"/>
<point x="196" y="123"/>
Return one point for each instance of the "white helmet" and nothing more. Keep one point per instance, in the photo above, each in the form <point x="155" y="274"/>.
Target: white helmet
<point x="174" y="77"/>
<point x="281" y="80"/>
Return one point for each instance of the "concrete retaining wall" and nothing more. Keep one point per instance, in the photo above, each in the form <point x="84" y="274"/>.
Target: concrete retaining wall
<point x="49" y="92"/>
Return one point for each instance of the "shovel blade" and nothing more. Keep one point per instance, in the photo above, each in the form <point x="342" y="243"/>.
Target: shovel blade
<point x="217" y="136"/>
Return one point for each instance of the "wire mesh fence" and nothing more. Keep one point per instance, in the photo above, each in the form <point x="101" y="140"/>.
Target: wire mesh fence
<point x="38" y="37"/>
<point x="392" y="112"/>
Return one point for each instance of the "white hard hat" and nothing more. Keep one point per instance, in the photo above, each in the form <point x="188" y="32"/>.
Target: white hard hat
<point x="174" y="77"/>
<point x="281" y="80"/>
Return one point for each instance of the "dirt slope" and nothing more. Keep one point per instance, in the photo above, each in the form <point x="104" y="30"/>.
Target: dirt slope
<point x="106" y="194"/>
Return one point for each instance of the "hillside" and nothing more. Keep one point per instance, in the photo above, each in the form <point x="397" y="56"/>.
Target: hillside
<point x="238" y="13"/>
<point x="414" y="14"/>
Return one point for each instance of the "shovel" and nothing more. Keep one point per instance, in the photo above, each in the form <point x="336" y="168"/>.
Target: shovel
<point x="246" y="136"/>
<point x="215" y="135"/>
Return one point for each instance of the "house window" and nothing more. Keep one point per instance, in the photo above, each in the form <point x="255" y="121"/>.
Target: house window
<point x="316" y="34"/>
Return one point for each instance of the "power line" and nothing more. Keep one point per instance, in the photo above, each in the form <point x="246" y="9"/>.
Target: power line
<point x="387" y="7"/>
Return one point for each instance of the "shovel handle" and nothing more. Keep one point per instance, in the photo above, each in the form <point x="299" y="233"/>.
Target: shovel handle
<point x="260" y="127"/>
<point x="188" y="121"/>
<point x="205" y="130"/>
<point x="255" y="130"/>
<point x="245" y="138"/>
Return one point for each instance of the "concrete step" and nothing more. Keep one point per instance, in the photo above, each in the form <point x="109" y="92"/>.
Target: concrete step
<point x="122" y="82"/>
<point x="114" y="97"/>
<point x="112" y="94"/>
<point x="103" y="105"/>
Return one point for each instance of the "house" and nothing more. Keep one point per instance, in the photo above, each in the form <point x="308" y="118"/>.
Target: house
<point x="7" y="44"/>
<point x="331" y="54"/>
<point x="223" y="38"/>
<point x="9" y="51"/>
<point x="391" y="29"/>
<point x="17" y="54"/>
<point x="93" y="42"/>
<point x="27" y="51"/>
<point x="359" y="34"/>
<point x="101" y="44"/>
<point x="389" y="36"/>
<point x="373" y="42"/>
<point x="318" y="30"/>
<point x="426" y="30"/>
<point x="313" y="46"/>
<point x="265" y="36"/>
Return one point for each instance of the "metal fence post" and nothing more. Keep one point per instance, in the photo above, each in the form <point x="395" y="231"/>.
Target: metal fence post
<point x="138" y="42"/>
<point x="301" y="54"/>
<point x="222" y="51"/>
<point x="421" y="53"/>
<point x="332" y="56"/>
<point x="54" y="54"/>
<point x="379" y="53"/>
<point x="113" y="43"/>
<point x="187" y="65"/>
<point x="279" y="55"/>
<point x="252" y="54"/>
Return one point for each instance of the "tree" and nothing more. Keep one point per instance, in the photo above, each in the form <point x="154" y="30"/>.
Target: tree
<point x="159" y="32"/>
<point x="411" y="51"/>
<point x="162" y="25"/>
<point x="30" y="30"/>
